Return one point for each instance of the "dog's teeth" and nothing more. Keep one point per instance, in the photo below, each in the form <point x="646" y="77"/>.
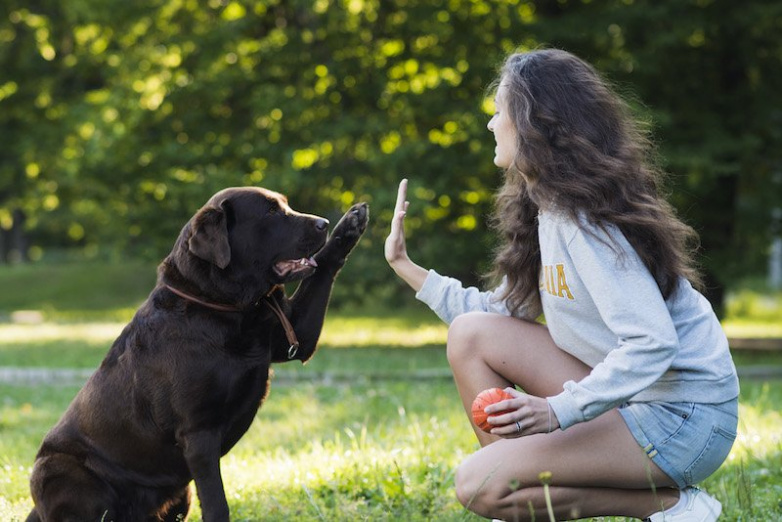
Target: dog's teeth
<point x="303" y="261"/>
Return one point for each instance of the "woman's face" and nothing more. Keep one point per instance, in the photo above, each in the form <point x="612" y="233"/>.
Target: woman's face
<point x="504" y="132"/>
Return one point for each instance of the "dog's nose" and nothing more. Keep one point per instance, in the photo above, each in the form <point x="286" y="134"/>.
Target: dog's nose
<point x="321" y="224"/>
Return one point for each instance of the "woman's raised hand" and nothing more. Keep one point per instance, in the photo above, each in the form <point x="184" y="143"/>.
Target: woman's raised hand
<point x="396" y="246"/>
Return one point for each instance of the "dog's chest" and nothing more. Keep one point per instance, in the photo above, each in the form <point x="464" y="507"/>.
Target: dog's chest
<point x="241" y="403"/>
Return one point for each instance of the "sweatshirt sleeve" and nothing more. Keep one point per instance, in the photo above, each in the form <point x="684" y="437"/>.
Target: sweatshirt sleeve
<point x="631" y="305"/>
<point x="448" y="298"/>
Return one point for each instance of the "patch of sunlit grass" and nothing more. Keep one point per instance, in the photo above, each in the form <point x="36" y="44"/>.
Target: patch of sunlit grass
<point x="48" y="331"/>
<point x="749" y="483"/>
<point x="352" y="453"/>
<point x="83" y="345"/>
<point x="370" y="331"/>
<point x="55" y="345"/>
<point x="760" y="429"/>
<point x="752" y="329"/>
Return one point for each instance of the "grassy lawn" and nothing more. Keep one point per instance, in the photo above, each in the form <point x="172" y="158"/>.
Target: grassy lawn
<point x="347" y="437"/>
<point x="375" y="451"/>
<point x="338" y="452"/>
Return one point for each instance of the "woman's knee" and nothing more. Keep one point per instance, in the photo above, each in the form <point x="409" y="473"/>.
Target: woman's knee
<point x="478" y="488"/>
<point x="484" y="494"/>
<point x="464" y="335"/>
<point x="470" y="491"/>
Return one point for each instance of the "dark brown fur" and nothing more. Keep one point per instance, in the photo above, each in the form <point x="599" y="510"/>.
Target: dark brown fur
<point x="183" y="382"/>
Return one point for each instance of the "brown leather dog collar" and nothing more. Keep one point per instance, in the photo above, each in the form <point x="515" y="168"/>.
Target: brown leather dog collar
<point x="290" y="334"/>
<point x="194" y="299"/>
<point x="270" y="301"/>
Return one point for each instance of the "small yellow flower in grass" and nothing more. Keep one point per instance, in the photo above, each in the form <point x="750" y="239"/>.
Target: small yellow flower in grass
<point x="545" y="478"/>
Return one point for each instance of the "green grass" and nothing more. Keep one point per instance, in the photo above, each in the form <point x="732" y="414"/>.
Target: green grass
<point x="753" y="311"/>
<point x="347" y="451"/>
<point x="77" y="291"/>
<point x="364" y="444"/>
<point x="343" y="452"/>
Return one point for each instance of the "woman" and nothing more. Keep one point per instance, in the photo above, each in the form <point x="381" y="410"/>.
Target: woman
<point x="630" y="393"/>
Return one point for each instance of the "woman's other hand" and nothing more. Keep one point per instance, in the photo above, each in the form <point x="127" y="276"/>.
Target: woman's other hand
<point x="529" y="415"/>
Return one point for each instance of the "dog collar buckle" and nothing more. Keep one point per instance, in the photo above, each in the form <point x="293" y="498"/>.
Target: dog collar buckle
<point x="290" y="334"/>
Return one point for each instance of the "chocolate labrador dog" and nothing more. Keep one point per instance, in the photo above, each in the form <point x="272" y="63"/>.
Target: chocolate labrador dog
<point x="184" y="380"/>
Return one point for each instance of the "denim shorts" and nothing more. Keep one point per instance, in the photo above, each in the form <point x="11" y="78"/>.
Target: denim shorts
<point x="687" y="440"/>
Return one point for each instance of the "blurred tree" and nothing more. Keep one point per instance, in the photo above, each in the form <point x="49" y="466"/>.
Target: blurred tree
<point x="119" y="119"/>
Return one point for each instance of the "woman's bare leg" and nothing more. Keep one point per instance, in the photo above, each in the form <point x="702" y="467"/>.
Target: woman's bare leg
<point x="576" y="503"/>
<point x="597" y="467"/>
<point x="489" y="350"/>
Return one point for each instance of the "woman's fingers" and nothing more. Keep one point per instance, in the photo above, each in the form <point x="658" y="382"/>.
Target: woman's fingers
<point x="400" y="209"/>
<point x="401" y="197"/>
<point x="398" y="222"/>
<point x="395" y="247"/>
<point x="527" y="415"/>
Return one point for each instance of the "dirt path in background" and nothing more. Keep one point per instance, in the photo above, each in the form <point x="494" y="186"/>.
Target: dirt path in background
<point x="78" y="376"/>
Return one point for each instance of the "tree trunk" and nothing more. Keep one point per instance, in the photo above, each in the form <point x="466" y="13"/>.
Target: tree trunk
<point x="20" y="243"/>
<point x="5" y="247"/>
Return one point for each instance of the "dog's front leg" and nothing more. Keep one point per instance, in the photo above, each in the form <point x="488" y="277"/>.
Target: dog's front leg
<point x="202" y="453"/>
<point x="309" y="303"/>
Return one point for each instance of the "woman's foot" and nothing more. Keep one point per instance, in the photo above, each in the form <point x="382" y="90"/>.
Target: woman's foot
<point x="694" y="506"/>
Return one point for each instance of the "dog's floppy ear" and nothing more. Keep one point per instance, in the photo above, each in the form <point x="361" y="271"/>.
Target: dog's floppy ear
<point x="209" y="239"/>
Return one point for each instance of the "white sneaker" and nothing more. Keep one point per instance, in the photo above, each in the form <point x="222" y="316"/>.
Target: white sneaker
<point x="701" y="507"/>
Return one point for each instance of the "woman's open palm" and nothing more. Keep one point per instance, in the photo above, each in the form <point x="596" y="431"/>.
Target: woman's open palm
<point x="395" y="247"/>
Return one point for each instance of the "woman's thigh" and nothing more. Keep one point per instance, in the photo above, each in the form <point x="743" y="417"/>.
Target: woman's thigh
<point x="598" y="453"/>
<point x="522" y="352"/>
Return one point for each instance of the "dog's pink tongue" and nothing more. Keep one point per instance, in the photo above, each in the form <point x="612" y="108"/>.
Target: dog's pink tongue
<point x="294" y="266"/>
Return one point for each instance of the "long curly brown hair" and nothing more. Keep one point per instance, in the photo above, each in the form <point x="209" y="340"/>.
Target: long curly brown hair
<point x="579" y="147"/>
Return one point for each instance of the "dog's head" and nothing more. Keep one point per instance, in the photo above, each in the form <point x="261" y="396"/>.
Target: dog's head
<point x="250" y="236"/>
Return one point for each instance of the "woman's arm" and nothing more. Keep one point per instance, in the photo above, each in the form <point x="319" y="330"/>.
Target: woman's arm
<point x="446" y="296"/>
<point x="626" y="303"/>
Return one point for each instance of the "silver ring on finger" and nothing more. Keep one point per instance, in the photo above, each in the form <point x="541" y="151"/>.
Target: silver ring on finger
<point x="518" y="427"/>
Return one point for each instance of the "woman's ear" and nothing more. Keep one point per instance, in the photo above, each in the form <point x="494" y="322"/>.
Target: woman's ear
<point x="209" y="236"/>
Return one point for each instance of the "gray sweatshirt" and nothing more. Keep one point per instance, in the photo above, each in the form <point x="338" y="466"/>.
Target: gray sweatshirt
<point x="602" y="305"/>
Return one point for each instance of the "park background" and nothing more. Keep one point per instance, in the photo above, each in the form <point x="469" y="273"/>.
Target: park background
<point x="119" y="119"/>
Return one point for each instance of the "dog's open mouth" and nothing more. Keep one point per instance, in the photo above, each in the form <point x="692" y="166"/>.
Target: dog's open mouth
<point x="293" y="269"/>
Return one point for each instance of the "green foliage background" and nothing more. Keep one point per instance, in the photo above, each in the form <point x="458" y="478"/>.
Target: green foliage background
<point x="119" y="119"/>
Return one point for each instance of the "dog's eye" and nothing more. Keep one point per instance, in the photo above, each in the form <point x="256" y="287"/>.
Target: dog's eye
<point x="273" y="207"/>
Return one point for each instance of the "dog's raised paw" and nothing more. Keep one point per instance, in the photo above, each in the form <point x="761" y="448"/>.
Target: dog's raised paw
<point x="355" y="220"/>
<point x="348" y="230"/>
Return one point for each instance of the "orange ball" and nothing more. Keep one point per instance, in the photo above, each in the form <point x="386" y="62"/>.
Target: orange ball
<point x="486" y="397"/>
